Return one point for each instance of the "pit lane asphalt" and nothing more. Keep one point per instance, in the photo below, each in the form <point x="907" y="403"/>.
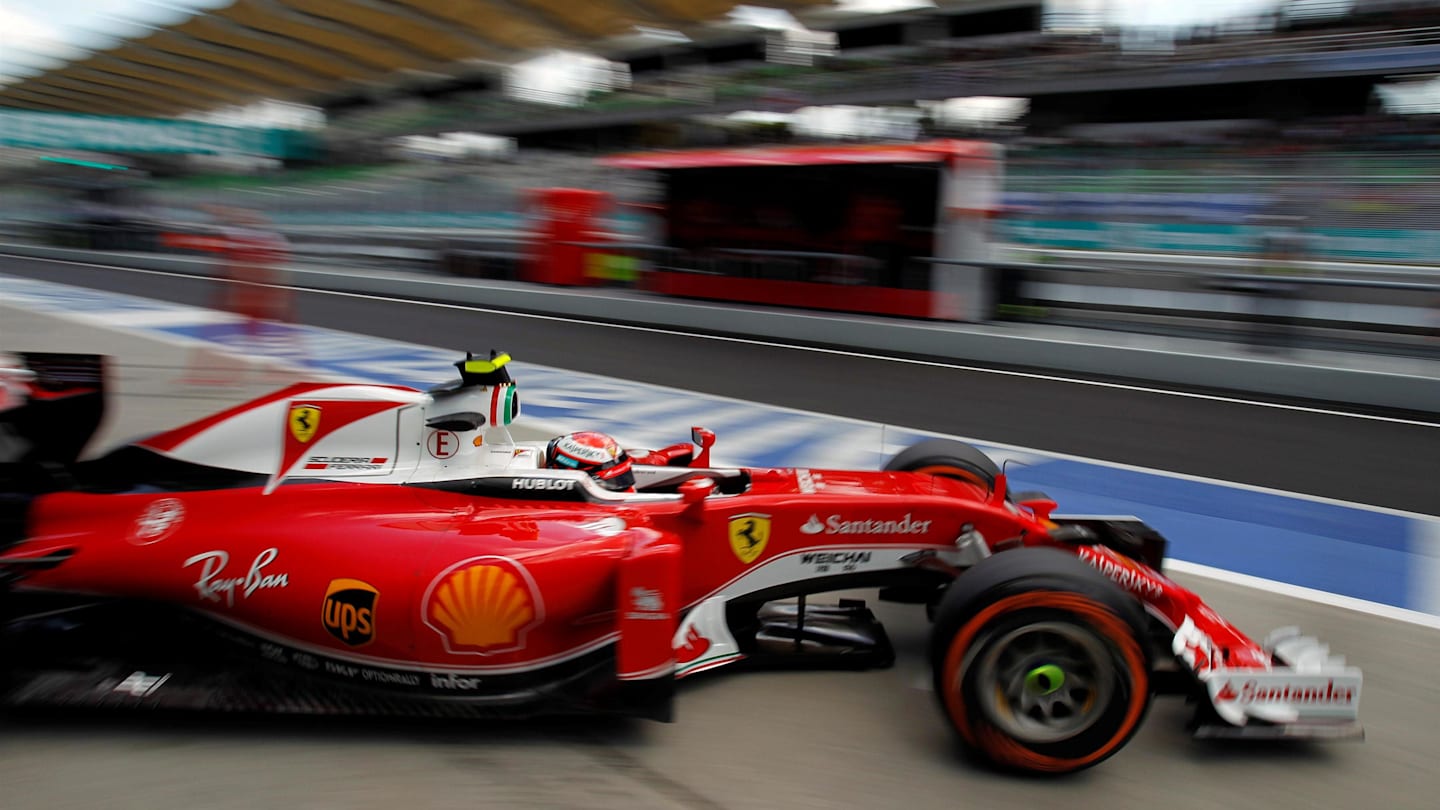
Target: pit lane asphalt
<point x="741" y="740"/>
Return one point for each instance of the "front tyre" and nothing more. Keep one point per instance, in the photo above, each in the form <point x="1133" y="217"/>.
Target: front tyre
<point x="1038" y="663"/>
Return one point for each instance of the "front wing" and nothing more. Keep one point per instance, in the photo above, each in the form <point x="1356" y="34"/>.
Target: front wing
<point x="1305" y="692"/>
<point x="1288" y="685"/>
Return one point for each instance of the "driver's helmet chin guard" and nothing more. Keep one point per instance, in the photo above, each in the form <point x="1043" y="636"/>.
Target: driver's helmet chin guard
<point x="595" y="453"/>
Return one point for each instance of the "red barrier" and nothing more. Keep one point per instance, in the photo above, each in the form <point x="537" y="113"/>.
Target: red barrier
<point x="801" y="294"/>
<point x="192" y="241"/>
<point x="567" y="219"/>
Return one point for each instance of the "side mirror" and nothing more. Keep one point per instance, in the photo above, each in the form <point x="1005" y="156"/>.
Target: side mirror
<point x="696" y="490"/>
<point x="1000" y="490"/>
<point x="705" y="438"/>
<point x="693" y="494"/>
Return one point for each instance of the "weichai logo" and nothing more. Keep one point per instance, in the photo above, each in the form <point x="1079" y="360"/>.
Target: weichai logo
<point x="349" y="611"/>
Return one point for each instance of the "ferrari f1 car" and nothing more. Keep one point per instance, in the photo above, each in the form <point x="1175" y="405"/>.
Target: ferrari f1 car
<point x="353" y="548"/>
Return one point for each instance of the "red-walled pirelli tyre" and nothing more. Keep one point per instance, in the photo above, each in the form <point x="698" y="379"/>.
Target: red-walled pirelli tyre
<point x="1039" y="663"/>
<point x="949" y="458"/>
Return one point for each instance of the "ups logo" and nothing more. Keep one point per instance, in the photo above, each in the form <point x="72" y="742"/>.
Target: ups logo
<point x="349" y="611"/>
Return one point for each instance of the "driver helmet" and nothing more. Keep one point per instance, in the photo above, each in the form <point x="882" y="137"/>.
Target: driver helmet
<point x="595" y="453"/>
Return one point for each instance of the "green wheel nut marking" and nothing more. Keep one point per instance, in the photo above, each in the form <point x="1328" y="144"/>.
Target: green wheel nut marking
<point x="1045" y="680"/>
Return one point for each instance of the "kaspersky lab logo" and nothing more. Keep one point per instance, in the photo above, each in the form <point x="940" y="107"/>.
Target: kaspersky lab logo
<point x="349" y="611"/>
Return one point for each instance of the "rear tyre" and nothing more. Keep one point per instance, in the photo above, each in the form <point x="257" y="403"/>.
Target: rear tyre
<point x="1038" y="662"/>
<point x="948" y="458"/>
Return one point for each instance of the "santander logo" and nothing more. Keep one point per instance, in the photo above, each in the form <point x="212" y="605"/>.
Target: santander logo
<point x="695" y="646"/>
<point x="835" y="524"/>
<point x="1253" y="691"/>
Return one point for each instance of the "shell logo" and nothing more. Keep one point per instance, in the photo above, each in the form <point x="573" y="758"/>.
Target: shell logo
<point x="483" y="606"/>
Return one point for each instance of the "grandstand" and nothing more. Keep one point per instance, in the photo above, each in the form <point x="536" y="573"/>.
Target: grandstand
<point x="382" y="70"/>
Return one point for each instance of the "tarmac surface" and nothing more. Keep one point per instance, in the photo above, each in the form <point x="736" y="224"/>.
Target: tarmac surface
<point x="760" y="740"/>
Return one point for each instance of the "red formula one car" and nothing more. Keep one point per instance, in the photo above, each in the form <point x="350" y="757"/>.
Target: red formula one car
<point x="377" y="549"/>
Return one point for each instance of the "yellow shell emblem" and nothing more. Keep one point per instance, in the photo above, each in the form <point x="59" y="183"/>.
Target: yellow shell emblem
<point x="483" y="606"/>
<point x="304" y="421"/>
<point x="749" y="533"/>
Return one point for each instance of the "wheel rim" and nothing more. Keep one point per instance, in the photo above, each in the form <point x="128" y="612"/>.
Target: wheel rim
<point x="1045" y="682"/>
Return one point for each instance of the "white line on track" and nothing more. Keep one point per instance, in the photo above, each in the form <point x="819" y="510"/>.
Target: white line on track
<point x="790" y="347"/>
<point x="1306" y="594"/>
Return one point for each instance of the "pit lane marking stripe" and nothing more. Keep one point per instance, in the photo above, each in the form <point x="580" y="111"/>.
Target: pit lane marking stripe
<point x="157" y="318"/>
<point x="1306" y="594"/>
<point x="777" y="345"/>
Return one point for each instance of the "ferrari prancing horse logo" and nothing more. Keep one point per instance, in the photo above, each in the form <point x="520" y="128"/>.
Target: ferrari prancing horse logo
<point x="304" y="421"/>
<point x="748" y="535"/>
